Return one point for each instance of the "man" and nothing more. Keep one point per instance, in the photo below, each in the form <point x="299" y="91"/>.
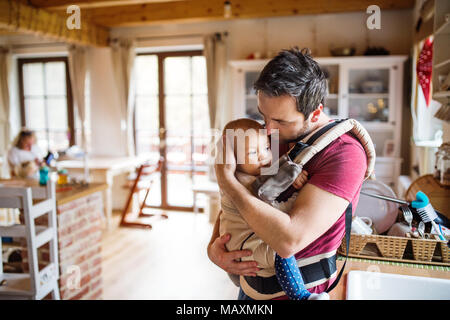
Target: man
<point x="291" y="91"/>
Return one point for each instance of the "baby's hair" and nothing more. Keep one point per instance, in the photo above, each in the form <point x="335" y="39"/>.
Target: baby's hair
<point x="242" y="123"/>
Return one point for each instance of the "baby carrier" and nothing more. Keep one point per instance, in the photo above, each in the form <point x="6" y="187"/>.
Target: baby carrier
<point x="317" y="269"/>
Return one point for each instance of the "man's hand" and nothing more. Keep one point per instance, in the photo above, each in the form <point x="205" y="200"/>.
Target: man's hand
<point x="218" y="253"/>
<point x="301" y="180"/>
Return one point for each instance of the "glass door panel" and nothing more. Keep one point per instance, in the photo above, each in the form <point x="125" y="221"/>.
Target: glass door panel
<point x="370" y="109"/>
<point x="331" y="105"/>
<point x="186" y="127"/>
<point x="369" y="94"/>
<point x="147" y="118"/>
<point x="251" y="102"/>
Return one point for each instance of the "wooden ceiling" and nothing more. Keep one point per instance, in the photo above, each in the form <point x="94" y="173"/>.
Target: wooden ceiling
<point x="100" y="15"/>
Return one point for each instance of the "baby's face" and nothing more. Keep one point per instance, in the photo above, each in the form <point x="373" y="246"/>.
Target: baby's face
<point x="257" y="154"/>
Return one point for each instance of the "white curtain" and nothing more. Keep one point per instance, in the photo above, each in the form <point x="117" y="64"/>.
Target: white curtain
<point x="220" y="112"/>
<point x="5" y="64"/>
<point x="77" y="72"/>
<point x="216" y="55"/>
<point x="7" y="216"/>
<point x="123" y="55"/>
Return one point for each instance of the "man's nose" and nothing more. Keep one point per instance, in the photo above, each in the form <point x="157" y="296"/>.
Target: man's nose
<point x="269" y="127"/>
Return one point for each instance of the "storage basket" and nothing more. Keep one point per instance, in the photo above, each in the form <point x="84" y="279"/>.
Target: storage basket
<point x="428" y="251"/>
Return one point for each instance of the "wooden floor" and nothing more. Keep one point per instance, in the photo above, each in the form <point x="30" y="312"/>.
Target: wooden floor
<point x="166" y="262"/>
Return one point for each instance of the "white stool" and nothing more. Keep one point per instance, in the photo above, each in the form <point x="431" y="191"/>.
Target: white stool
<point x="36" y="284"/>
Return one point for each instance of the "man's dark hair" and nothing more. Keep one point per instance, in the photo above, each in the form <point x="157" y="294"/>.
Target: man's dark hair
<point x="294" y="72"/>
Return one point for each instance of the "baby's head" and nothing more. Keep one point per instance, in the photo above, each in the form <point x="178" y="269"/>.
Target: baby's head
<point x="251" y="145"/>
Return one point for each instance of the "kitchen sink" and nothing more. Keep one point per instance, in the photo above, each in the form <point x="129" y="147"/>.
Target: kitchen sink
<point x="365" y="285"/>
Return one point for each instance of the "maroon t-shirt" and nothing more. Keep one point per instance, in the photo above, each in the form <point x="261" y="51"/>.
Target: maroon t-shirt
<point x="338" y="169"/>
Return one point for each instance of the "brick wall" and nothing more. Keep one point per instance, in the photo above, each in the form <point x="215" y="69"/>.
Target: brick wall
<point x="79" y="244"/>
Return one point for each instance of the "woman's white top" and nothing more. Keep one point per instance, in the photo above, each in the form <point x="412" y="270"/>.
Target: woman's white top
<point x="17" y="156"/>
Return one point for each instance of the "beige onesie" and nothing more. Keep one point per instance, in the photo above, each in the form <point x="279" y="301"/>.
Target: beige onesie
<point x="242" y="236"/>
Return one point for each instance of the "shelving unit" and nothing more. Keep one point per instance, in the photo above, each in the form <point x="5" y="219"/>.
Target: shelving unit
<point x="441" y="52"/>
<point x="368" y="89"/>
<point x="34" y="202"/>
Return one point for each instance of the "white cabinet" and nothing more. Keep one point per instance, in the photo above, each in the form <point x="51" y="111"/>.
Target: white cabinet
<point x="368" y="88"/>
<point x="441" y="52"/>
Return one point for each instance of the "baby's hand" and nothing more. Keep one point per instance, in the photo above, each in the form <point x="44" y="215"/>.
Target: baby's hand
<point x="301" y="180"/>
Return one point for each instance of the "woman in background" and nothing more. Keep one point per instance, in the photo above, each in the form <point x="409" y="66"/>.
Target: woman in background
<point x="25" y="156"/>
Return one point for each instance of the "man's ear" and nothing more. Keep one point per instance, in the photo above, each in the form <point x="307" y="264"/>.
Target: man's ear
<point x="316" y="113"/>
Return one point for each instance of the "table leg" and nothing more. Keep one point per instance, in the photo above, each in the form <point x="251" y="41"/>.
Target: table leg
<point x="195" y="203"/>
<point x="108" y="200"/>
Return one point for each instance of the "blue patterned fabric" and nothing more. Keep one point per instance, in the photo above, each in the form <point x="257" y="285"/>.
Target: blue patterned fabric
<point x="290" y="279"/>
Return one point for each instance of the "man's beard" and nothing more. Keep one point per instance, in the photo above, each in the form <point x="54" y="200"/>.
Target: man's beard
<point x="306" y="130"/>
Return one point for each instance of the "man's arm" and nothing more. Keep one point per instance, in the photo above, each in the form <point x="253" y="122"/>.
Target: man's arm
<point x="218" y="253"/>
<point x="314" y="212"/>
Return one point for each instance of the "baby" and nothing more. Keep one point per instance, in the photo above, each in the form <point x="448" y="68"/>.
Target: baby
<point x="258" y="155"/>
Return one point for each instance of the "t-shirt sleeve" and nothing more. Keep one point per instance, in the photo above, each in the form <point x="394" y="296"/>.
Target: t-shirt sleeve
<point x="12" y="157"/>
<point x="341" y="169"/>
<point x="37" y="152"/>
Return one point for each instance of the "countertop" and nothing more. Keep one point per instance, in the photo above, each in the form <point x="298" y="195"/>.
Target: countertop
<point x="408" y="269"/>
<point x="69" y="193"/>
<point x="64" y="193"/>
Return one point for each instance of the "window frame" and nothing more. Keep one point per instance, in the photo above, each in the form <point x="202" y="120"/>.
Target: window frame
<point x="69" y="98"/>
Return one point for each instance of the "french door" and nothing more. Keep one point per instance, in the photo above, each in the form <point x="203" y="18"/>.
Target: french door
<point x="172" y="121"/>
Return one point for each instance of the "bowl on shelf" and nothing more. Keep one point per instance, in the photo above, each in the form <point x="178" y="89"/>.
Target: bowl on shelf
<point x="343" y="52"/>
<point x="372" y="86"/>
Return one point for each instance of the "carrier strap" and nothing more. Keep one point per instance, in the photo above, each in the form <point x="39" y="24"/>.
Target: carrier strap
<point x="348" y="228"/>
<point x="300" y="146"/>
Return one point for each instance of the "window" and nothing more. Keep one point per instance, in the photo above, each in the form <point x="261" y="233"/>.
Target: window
<point x="46" y="101"/>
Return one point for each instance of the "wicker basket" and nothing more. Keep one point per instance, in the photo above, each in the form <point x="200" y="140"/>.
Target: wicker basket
<point x="393" y="248"/>
<point x="390" y="247"/>
<point x="423" y="249"/>
<point x="445" y="251"/>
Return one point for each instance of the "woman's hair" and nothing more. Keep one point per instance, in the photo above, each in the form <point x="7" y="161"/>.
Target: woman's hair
<point x="294" y="72"/>
<point x="21" y="136"/>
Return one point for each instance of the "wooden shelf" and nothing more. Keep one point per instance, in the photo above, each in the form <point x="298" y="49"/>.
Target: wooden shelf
<point x="442" y="94"/>
<point x="17" y="285"/>
<point x="368" y="95"/>
<point x="441" y="64"/>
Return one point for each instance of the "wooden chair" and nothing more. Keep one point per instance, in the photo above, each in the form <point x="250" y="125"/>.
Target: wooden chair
<point x="36" y="284"/>
<point x="144" y="179"/>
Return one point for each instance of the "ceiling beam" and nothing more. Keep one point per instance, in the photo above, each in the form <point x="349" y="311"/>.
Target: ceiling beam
<point x="212" y="10"/>
<point x="86" y="4"/>
<point x="18" y="17"/>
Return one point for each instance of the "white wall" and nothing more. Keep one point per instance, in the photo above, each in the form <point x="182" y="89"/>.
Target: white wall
<point x="107" y="137"/>
<point x="272" y="34"/>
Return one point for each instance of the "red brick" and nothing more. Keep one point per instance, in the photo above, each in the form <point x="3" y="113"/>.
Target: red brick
<point x="97" y="272"/>
<point x="95" y="262"/>
<point x="96" y="283"/>
<point x="93" y="252"/>
<point x="80" y="295"/>
<point x="85" y="280"/>
<point x="65" y="242"/>
<point x="96" y="295"/>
